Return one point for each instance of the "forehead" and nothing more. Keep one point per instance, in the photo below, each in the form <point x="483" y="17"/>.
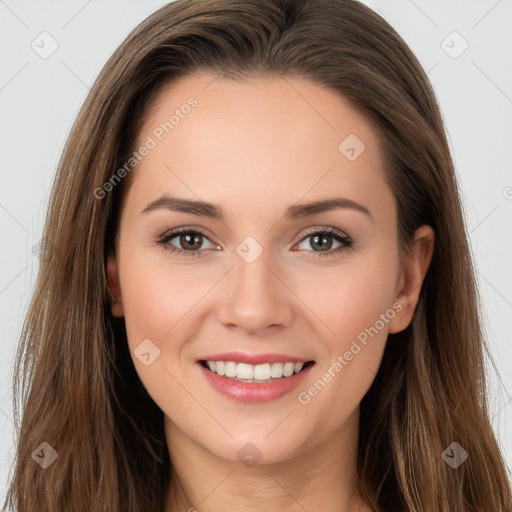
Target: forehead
<point x="276" y="105"/>
<point x="275" y="137"/>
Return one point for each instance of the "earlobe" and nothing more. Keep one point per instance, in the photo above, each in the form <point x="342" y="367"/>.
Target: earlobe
<point x="114" y="289"/>
<point x="416" y="263"/>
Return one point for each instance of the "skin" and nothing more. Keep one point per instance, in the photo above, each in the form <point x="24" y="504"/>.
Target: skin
<point x="255" y="148"/>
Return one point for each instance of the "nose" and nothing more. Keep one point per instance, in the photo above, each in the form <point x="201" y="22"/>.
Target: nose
<point x="254" y="297"/>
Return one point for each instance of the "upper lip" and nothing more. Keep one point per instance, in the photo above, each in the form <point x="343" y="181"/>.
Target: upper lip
<point x="253" y="359"/>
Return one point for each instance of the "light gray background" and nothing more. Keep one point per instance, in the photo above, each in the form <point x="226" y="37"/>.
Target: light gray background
<point x="39" y="99"/>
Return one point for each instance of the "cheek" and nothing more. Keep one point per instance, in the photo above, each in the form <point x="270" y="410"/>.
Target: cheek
<point x="159" y="301"/>
<point x="356" y="304"/>
<point x="351" y="297"/>
<point x="157" y="295"/>
<point x="144" y="301"/>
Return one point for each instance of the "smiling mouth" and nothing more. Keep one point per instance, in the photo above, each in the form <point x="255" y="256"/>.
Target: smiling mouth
<point x="254" y="374"/>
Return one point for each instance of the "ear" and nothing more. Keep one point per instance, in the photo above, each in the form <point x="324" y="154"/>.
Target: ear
<point x="415" y="265"/>
<point x="115" y="298"/>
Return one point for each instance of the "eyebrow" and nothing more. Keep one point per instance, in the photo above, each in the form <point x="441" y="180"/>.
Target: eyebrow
<point x="213" y="211"/>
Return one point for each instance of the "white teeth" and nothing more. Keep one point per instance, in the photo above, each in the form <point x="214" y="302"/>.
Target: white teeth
<point x="230" y="368"/>
<point x="261" y="372"/>
<point x="276" y="371"/>
<point x="288" y="369"/>
<point x="254" y="373"/>
<point x="220" y="367"/>
<point x="244" y="371"/>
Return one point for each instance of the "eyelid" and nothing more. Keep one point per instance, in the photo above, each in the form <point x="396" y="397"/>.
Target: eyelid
<point x="188" y="229"/>
<point x="329" y="230"/>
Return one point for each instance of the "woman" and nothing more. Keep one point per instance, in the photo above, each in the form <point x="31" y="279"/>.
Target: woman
<point x="259" y="293"/>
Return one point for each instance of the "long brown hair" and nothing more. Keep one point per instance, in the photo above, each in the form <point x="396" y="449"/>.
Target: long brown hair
<point x="74" y="377"/>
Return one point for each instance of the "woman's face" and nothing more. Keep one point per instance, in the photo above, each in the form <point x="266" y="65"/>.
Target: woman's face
<point x="261" y="282"/>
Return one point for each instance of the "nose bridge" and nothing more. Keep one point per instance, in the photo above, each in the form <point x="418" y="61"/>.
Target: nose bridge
<point x="257" y="298"/>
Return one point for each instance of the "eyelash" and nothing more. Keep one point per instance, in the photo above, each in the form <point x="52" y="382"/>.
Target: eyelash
<point x="339" y="236"/>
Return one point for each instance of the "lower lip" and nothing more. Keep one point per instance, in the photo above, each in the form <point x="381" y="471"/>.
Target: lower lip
<point x="254" y="393"/>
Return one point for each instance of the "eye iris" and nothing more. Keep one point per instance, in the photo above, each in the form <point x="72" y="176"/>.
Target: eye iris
<point x="185" y="241"/>
<point x="323" y="238"/>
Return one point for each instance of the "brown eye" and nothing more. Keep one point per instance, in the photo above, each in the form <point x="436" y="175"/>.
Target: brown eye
<point x="191" y="241"/>
<point x="188" y="241"/>
<point x="321" y="241"/>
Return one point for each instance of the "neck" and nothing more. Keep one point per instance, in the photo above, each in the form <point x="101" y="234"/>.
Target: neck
<point x="321" y="478"/>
